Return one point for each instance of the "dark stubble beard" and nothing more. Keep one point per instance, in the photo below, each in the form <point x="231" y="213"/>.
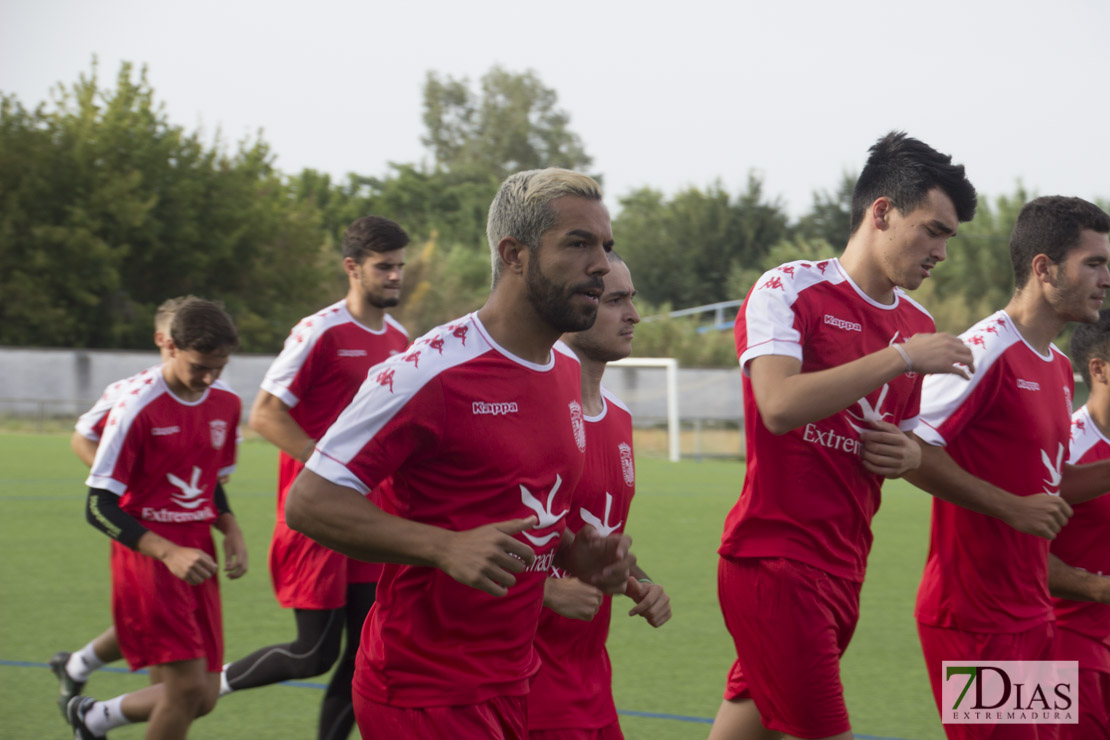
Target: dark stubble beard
<point x="382" y="302"/>
<point x="553" y="302"/>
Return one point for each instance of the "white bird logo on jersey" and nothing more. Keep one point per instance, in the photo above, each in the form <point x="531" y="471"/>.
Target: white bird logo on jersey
<point x="189" y="498"/>
<point x="546" y="517"/>
<point x="867" y="412"/>
<point x="603" y="527"/>
<point x="1055" y="474"/>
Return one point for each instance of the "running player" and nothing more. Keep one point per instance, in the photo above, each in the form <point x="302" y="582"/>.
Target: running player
<point x="572" y="695"/>
<point x="1079" y="557"/>
<point x="1002" y="437"/>
<point x="151" y="489"/>
<point x="479" y="428"/>
<point x="73" y="669"/>
<point x="323" y="363"/>
<point x="833" y="353"/>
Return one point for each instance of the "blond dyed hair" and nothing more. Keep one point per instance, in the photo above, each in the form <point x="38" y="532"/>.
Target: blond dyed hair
<point x="522" y="207"/>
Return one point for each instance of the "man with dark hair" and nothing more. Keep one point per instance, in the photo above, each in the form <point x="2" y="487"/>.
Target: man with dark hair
<point x="478" y="432"/>
<point x="323" y="363"/>
<point x="572" y="695"/>
<point x="73" y="669"/>
<point x="1000" y="438"/>
<point x="1079" y="557"/>
<point x="833" y="354"/>
<point x="152" y="489"/>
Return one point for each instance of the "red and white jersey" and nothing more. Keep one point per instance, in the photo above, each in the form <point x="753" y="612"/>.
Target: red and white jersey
<point x="574" y="687"/>
<point x="90" y="424"/>
<point x="1009" y="425"/>
<point x="471" y="435"/>
<point x="164" y="455"/>
<point x="324" y="361"/>
<point x="806" y="495"/>
<point x="1083" y="542"/>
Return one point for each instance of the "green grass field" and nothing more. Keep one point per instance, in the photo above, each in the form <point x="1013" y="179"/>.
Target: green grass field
<point x="54" y="595"/>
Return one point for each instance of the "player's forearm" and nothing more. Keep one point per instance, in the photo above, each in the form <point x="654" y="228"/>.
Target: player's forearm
<point x="639" y="574"/>
<point x="83" y="447"/>
<point x="270" y="418"/>
<point x="227" y="524"/>
<point x="940" y="475"/>
<point x="1067" y="582"/>
<point x="1081" y="483"/>
<point x="344" y="520"/>
<point x="102" y="511"/>
<point x="788" y="400"/>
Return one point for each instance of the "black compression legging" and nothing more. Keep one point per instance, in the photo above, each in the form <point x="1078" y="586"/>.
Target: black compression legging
<point x="337" y="715"/>
<point x="319" y="633"/>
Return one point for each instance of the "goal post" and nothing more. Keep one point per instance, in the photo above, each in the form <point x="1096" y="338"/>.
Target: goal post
<point x="670" y="365"/>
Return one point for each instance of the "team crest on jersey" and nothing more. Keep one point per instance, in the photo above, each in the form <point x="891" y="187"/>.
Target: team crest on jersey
<point x="626" y="463"/>
<point x="218" y="428"/>
<point x="578" y="425"/>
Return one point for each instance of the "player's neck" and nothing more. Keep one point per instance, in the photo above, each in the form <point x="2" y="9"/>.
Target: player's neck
<point x="592" y="405"/>
<point x="364" y="312"/>
<point x="177" y="388"/>
<point x="516" y="326"/>
<point x="1034" y="319"/>
<point x="1098" y="406"/>
<point x="858" y="261"/>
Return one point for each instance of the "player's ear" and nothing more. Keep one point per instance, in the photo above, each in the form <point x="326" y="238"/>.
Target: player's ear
<point x="1098" y="370"/>
<point x="350" y="267"/>
<point x="512" y="255"/>
<point x="1043" y="269"/>
<point x="880" y="213"/>
<point x="160" y="339"/>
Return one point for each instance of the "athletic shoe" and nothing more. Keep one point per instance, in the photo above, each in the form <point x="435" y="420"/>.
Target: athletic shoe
<point x="67" y="687"/>
<point x="76" y="710"/>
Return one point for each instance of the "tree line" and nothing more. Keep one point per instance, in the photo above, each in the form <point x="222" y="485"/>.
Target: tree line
<point x="107" y="207"/>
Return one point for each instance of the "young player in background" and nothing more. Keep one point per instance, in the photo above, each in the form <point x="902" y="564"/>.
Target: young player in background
<point x="572" y="695"/>
<point x="73" y="669"/>
<point x="152" y="489"/>
<point x="323" y="363"/>
<point x="1001" y="437"/>
<point x="1079" y="557"/>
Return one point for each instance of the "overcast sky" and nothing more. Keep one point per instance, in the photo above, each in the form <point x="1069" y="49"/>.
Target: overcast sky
<point x="663" y="94"/>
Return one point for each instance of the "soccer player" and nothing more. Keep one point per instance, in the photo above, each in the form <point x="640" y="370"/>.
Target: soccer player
<point x="479" y="429"/>
<point x="73" y="669"/>
<point x="151" y="489"/>
<point x="1003" y="436"/>
<point x="572" y="695"/>
<point x="833" y="353"/>
<point x="1079" y="557"/>
<point x="323" y="363"/>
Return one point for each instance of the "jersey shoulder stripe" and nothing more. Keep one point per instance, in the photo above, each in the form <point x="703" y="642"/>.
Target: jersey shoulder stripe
<point x="390" y="321"/>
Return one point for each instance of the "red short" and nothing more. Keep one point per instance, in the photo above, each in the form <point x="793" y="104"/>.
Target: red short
<point x="941" y="643"/>
<point x="160" y="618"/>
<point x="1094" y="708"/>
<point x="305" y="574"/>
<point x="790" y="623"/>
<point x="1093" y="657"/>
<point x="500" y="718"/>
<point x="609" y="732"/>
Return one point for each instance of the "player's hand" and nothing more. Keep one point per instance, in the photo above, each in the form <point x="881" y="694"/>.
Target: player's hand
<point x="486" y="557"/>
<point x="887" y="451"/>
<point x="570" y="598"/>
<point x="939" y="353"/>
<point x="235" y="554"/>
<point x="1041" y="514"/>
<point x="605" y="562"/>
<point x="190" y="564"/>
<point x="652" y="603"/>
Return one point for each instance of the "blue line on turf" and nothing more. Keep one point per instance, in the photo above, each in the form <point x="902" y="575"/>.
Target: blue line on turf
<point x="313" y="685"/>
